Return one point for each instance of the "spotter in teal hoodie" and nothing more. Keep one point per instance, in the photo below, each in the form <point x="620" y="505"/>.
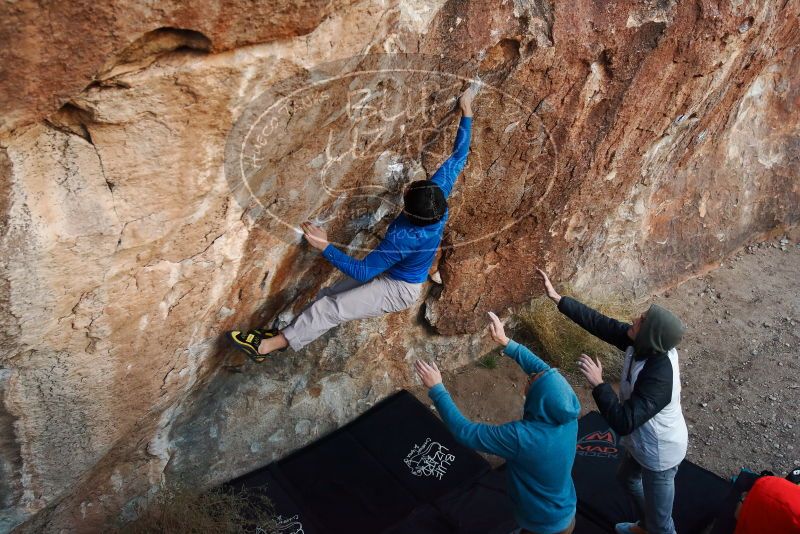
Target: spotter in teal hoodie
<point x="539" y="450"/>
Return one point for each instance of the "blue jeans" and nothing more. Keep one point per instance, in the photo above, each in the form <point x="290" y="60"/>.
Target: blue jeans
<point x="652" y="493"/>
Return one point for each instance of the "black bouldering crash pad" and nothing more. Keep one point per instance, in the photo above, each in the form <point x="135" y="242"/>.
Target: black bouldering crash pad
<point x="397" y="470"/>
<point x="384" y="469"/>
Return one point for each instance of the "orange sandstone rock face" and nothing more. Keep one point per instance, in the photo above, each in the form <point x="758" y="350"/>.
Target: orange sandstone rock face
<point x="155" y="162"/>
<point x="53" y="53"/>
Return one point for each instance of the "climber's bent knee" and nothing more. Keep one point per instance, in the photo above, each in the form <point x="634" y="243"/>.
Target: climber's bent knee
<point x="377" y="297"/>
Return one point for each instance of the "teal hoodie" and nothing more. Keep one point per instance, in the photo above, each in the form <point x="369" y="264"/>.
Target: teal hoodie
<point x="539" y="450"/>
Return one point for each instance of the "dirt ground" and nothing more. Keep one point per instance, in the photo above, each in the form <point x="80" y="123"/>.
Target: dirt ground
<point x="740" y="365"/>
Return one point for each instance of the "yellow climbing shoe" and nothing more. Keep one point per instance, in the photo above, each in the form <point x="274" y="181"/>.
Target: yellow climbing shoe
<point x="249" y="342"/>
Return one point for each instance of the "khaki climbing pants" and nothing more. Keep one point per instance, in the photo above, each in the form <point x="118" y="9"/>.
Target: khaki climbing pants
<point x="350" y="300"/>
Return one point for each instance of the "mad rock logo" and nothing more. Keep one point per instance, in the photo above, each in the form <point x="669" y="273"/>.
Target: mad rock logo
<point x="430" y="459"/>
<point x="599" y="443"/>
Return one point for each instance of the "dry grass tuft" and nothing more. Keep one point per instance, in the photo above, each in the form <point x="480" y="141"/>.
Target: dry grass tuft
<point x="189" y="511"/>
<point x="490" y="361"/>
<point x="561" y="341"/>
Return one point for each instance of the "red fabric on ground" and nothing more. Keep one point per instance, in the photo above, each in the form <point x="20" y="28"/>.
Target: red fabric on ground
<point x="772" y="505"/>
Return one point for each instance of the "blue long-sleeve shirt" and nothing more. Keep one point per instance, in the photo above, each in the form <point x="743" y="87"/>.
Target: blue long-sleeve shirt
<point x="407" y="252"/>
<point x="539" y="449"/>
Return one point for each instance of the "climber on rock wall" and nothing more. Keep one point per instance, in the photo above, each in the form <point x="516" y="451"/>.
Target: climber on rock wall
<point x="539" y="449"/>
<point x="388" y="279"/>
<point x="647" y="412"/>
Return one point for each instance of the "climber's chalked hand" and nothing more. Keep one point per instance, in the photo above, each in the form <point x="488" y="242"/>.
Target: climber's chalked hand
<point x="466" y="98"/>
<point x="317" y="237"/>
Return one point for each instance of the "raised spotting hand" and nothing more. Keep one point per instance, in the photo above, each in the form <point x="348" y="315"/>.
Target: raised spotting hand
<point x="428" y="373"/>
<point x="591" y="369"/>
<point x="496" y="329"/>
<point x="548" y="287"/>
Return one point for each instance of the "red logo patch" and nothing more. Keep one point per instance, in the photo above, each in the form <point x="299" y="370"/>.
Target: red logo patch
<point x="598" y="443"/>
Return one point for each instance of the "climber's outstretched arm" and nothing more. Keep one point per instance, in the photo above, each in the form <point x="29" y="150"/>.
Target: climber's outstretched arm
<point x="445" y="177"/>
<point x="386" y="254"/>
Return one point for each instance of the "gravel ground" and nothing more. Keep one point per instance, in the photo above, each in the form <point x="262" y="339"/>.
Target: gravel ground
<point x="740" y="365"/>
